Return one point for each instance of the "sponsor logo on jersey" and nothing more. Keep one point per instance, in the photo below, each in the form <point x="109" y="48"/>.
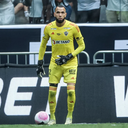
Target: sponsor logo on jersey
<point x="65" y="33"/>
<point x="67" y="28"/>
<point x="60" y="41"/>
<point x="53" y="28"/>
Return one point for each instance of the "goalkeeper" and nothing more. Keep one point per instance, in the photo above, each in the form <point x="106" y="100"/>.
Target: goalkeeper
<point x="63" y="59"/>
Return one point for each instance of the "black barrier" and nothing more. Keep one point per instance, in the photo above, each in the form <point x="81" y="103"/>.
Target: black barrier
<point x="101" y="95"/>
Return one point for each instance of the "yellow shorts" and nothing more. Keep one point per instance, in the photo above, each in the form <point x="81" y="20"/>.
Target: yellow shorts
<point x="57" y="71"/>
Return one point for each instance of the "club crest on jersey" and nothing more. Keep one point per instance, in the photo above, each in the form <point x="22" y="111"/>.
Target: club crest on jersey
<point x="60" y="41"/>
<point x="65" y="33"/>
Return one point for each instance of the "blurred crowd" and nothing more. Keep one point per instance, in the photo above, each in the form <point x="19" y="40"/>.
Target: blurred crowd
<point x="78" y="11"/>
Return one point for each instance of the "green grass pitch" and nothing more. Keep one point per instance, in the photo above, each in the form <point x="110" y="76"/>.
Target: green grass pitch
<point x="98" y="125"/>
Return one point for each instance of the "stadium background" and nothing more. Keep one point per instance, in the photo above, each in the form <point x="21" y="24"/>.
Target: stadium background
<point x="95" y="90"/>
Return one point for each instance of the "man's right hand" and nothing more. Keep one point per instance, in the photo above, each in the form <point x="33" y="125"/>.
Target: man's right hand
<point x="40" y="69"/>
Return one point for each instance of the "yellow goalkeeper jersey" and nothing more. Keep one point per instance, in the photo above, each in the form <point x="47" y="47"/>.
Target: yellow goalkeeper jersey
<point x="62" y="41"/>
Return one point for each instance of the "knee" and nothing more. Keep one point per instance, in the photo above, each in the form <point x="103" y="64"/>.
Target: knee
<point x="20" y="5"/>
<point x="52" y="93"/>
<point x="71" y="93"/>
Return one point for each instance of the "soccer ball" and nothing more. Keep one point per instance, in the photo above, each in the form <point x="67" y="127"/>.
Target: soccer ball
<point x="41" y="117"/>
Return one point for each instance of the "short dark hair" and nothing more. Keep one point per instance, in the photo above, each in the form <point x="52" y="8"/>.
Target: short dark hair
<point x="61" y="6"/>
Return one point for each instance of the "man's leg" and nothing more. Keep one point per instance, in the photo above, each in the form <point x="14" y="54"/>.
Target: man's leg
<point x="82" y="16"/>
<point x="94" y="16"/>
<point x="71" y="98"/>
<point x="70" y="75"/>
<point x="124" y="16"/>
<point x="52" y="103"/>
<point x="112" y="16"/>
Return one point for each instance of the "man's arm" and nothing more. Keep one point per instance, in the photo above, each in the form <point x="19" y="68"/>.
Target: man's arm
<point x="42" y="49"/>
<point x="81" y="47"/>
<point x="44" y="41"/>
<point x="80" y="41"/>
<point x="40" y="69"/>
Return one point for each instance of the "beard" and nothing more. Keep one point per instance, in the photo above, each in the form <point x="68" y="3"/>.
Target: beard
<point x="60" y="21"/>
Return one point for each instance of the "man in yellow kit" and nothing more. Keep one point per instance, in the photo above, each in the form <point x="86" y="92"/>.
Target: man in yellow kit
<point x="63" y="60"/>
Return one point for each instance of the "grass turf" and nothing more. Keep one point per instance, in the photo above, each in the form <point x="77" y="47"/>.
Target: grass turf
<point x="98" y="125"/>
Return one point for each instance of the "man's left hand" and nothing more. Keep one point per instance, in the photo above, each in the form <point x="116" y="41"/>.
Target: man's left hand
<point x="63" y="59"/>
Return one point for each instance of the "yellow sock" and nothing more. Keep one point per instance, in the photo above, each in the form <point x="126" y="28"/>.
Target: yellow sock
<point x="71" y="100"/>
<point x="69" y="115"/>
<point x="52" y="101"/>
<point x="52" y="116"/>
